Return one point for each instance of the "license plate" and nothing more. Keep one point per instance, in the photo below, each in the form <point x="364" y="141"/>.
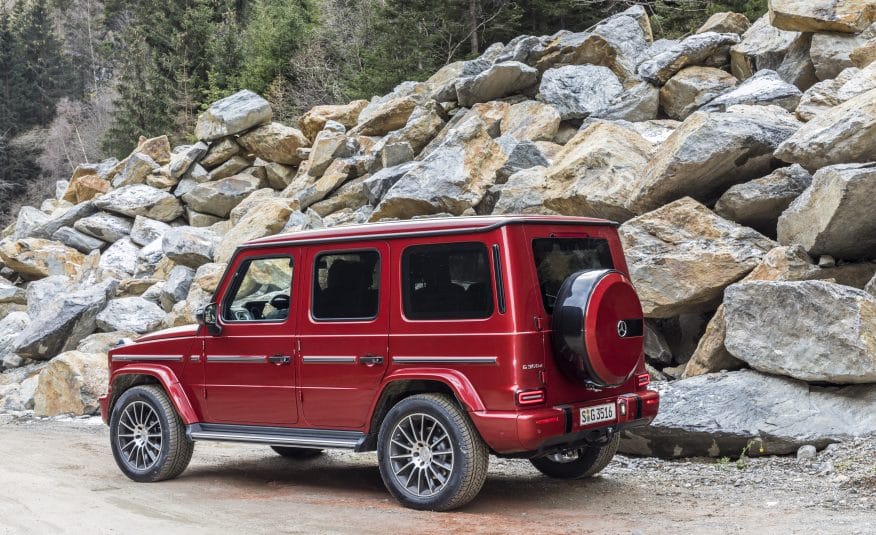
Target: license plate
<point x="597" y="413"/>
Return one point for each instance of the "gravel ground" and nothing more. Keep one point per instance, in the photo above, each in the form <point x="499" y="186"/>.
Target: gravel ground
<point x="59" y="477"/>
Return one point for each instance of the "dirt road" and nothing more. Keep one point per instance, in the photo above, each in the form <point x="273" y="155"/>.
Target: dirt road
<point x="59" y="477"/>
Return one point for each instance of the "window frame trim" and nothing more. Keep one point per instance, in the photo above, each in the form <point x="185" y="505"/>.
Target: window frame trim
<point x="234" y="285"/>
<point x="315" y="279"/>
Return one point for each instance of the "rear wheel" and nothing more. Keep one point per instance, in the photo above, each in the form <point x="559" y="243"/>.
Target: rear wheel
<point x="579" y="463"/>
<point x="430" y="455"/>
<point x="297" y="453"/>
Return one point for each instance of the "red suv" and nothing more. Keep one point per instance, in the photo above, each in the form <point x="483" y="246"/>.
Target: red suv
<point x="435" y="342"/>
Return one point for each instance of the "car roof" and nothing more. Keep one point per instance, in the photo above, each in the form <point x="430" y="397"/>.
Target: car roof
<point x="435" y="226"/>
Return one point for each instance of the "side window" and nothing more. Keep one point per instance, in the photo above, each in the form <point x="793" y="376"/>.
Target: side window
<point x="449" y="281"/>
<point x="261" y="291"/>
<point x="346" y="286"/>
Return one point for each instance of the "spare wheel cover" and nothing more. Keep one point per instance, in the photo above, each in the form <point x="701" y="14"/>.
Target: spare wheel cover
<point x="598" y="328"/>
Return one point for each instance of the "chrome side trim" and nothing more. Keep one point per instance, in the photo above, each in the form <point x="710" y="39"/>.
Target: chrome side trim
<point x="319" y="359"/>
<point x="241" y="359"/>
<point x="131" y="358"/>
<point x="195" y="358"/>
<point x="445" y="360"/>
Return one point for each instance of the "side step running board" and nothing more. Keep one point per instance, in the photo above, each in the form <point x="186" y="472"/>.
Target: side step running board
<point x="276" y="436"/>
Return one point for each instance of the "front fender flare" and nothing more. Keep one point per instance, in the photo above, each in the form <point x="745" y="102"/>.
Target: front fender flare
<point x="168" y="380"/>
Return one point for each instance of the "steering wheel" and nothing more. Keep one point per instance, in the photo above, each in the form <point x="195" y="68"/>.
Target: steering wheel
<point x="280" y="302"/>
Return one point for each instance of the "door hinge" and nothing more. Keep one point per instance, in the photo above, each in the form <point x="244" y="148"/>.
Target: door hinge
<point x="537" y="322"/>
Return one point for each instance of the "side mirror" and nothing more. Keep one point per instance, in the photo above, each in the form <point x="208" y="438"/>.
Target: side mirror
<point x="207" y="316"/>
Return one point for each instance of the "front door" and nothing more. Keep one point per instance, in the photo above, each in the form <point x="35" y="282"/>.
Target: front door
<point x="344" y="335"/>
<point x="249" y="371"/>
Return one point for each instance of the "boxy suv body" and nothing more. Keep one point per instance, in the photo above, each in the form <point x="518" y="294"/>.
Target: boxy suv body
<point x="436" y="342"/>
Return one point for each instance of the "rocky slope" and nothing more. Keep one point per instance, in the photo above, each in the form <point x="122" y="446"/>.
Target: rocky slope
<point x="739" y="160"/>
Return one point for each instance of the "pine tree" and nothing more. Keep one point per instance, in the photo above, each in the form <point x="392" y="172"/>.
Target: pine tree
<point x="12" y="82"/>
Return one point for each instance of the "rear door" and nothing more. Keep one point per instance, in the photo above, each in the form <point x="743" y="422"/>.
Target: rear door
<point x="344" y="332"/>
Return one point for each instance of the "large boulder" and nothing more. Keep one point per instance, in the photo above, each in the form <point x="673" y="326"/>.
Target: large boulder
<point x="329" y="144"/>
<point x="34" y="258"/>
<point x="275" y="142"/>
<point x="720" y="415"/>
<point x="385" y="116"/>
<point x="682" y="256"/>
<point x="764" y="87"/>
<point x="189" y="246"/>
<point x="184" y="157"/>
<point x="451" y="179"/>
<point x="725" y="22"/>
<point x="231" y="167"/>
<point x="71" y="384"/>
<point x="232" y="115"/>
<point x="825" y="95"/>
<point x="523" y="193"/>
<point x="710" y="152"/>
<point x="136" y="170"/>
<point x="576" y="91"/>
<point x="133" y="314"/>
<point x="809" y="330"/>
<point x="759" y="203"/>
<point x="10" y="326"/>
<point x="145" y="230"/>
<point x="500" y="80"/>
<point x="850" y="16"/>
<point x="693" y="87"/>
<point x="141" y="199"/>
<point x="28" y="219"/>
<point x="831" y="52"/>
<point x="422" y="126"/>
<point x="64" y="323"/>
<point x="84" y="188"/>
<point x="105" y="226"/>
<point x="764" y="46"/>
<point x="119" y="261"/>
<point x="66" y="218"/>
<point x="835" y="214"/>
<point x="176" y="287"/>
<point x="78" y="240"/>
<point x="697" y="49"/>
<point x="220" y="152"/>
<point x="220" y="197"/>
<point x="314" y="120"/>
<point x="10" y="293"/>
<point x="376" y="186"/>
<point x="265" y="219"/>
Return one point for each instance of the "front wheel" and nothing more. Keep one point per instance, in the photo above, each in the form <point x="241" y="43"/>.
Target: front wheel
<point x="430" y="455"/>
<point x="580" y="463"/>
<point x="147" y="437"/>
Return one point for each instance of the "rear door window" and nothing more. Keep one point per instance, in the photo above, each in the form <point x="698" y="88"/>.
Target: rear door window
<point x="557" y="258"/>
<point x="346" y="285"/>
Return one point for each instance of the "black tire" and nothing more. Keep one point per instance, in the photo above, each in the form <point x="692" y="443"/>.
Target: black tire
<point x="171" y="449"/>
<point x="454" y="442"/>
<point x="297" y="453"/>
<point x="590" y="461"/>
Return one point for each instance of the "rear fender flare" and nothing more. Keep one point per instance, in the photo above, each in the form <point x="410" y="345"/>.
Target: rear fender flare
<point x="169" y="382"/>
<point x="456" y="381"/>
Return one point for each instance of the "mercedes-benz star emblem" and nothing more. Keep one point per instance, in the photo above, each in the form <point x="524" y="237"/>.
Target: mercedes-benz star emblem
<point x="622" y="329"/>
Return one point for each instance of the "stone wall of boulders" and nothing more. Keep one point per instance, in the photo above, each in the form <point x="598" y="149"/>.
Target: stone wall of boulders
<point x="741" y="161"/>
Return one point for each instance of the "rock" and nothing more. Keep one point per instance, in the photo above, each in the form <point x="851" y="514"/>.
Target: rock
<point x="34" y="258"/>
<point x="759" y="203"/>
<point x="500" y="80"/>
<point x="850" y="16"/>
<point x="806" y="454"/>
<point x="523" y="193"/>
<point x="67" y="218"/>
<point x="157" y="148"/>
<point x="426" y="121"/>
<point x="41" y="293"/>
<point x="136" y="169"/>
<point x="28" y="219"/>
<point x="268" y="218"/>
<point x="64" y="323"/>
<point x="233" y="166"/>
<point x="10" y="326"/>
<point x="835" y="214"/>
<point x="576" y="91"/>
<point x="376" y="186"/>
<point x="314" y="120"/>
<point x="277" y="175"/>
<point x="831" y="52"/>
<point x="176" y="288"/>
<point x="275" y="142"/>
<point x="396" y="153"/>
<point x="864" y="54"/>
<point x="349" y="196"/>
<point x="451" y="179"/>
<point x="721" y="414"/>
<point x="103" y="342"/>
<point x="78" y="240"/>
<point x="725" y="22"/>
<point x="693" y="50"/>
<point x="184" y="157"/>
<point x="329" y="144"/>
<point x="220" y="152"/>
<point x="189" y="246"/>
<point x="130" y="314"/>
<point x="766" y="47"/>
<point x="232" y="115"/>
<point x="809" y="330"/>
<point x="84" y="188"/>
<point x="218" y="198"/>
<point x="641" y="102"/>
<point x="9" y="293"/>
<point x="826" y="261"/>
<point x="71" y="384"/>
<point x="104" y="226"/>
<point x="521" y="155"/>
<point x="531" y="120"/>
<point x="764" y="87"/>
<point x="119" y="261"/>
<point x="682" y="256"/>
<point x="141" y="199"/>
<point x="337" y="173"/>
<point x="386" y="116"/>
<point x="145" y="230"/>
<point x="710" y="152"/>
<point x="824" y="95"/>
<point x="691" y="88"/>
<point x="656" y="349"/>
<point x="711" y="355"/>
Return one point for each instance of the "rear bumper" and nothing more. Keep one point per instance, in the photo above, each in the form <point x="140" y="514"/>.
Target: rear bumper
<point x="535" y="431"/>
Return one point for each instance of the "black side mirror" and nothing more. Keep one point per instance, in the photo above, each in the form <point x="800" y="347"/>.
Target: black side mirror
<point x="207" y="316"/>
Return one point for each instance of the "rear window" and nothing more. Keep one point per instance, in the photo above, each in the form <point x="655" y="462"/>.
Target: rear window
<point x="557" y="258"/>
<point x="449" y="281"/>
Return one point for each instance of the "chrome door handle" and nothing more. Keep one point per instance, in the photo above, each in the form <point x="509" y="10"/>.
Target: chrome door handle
<point x="279" y="359"/>
<point x="370" y="360"/>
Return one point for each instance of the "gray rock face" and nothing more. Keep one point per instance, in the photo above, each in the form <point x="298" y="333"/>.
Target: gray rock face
<point x="871" y="286"/>
<point x="523" y="193"/>
<point x="378" y="184"/>
<point x="691" y="88"/>
<point x="78" y="240"/>
<point x="119" y="261"/>
<point x="638" y="103"/>
<point x="521" y="155"/>
<point x="218" y="198"/>
<point x="682" y="256"/>
<point x="130" y="314"/>
<point x="694" y="50"/>
<point x="135" y="171"/>
<point x="41" y="293"/>
<point x="710" y="152"/>
<point x="835" y="215"/>
<point x="234" y="165"/>
<point x="766" y="47"/>
<point x="176" y="287"/>
<point x="66" y="219"/>
<point x="759" y="203"/>
<point x="232" y="115"/>
<point x="809" y="330"/>
<point x="10" y="327"/>
<point x="500" y="80"/>
<point x="220" y="152"/>
<point x="140" y="199"/>
<point x="10" y="293"/>
<point x="104" y="226"/>
<point x="148" y="258"/>
<point x="720" y="414"/>
<point x="184" y="157"/>
<point x="576" y="91"/>
<point x="830" y="52"/>
<point x="145" y="230"/>
<point x="189" y="246"/>
<point x="764" y="87"/>
<point x="68" y="320"/>
<point x="28" y="219"/>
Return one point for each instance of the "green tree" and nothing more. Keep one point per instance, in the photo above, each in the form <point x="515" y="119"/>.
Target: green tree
<point x="12" y="89"/>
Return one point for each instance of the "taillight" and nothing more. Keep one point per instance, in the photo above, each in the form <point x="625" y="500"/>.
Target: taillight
<point x="530" y="397"/>
<point x="643" y="380"/>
